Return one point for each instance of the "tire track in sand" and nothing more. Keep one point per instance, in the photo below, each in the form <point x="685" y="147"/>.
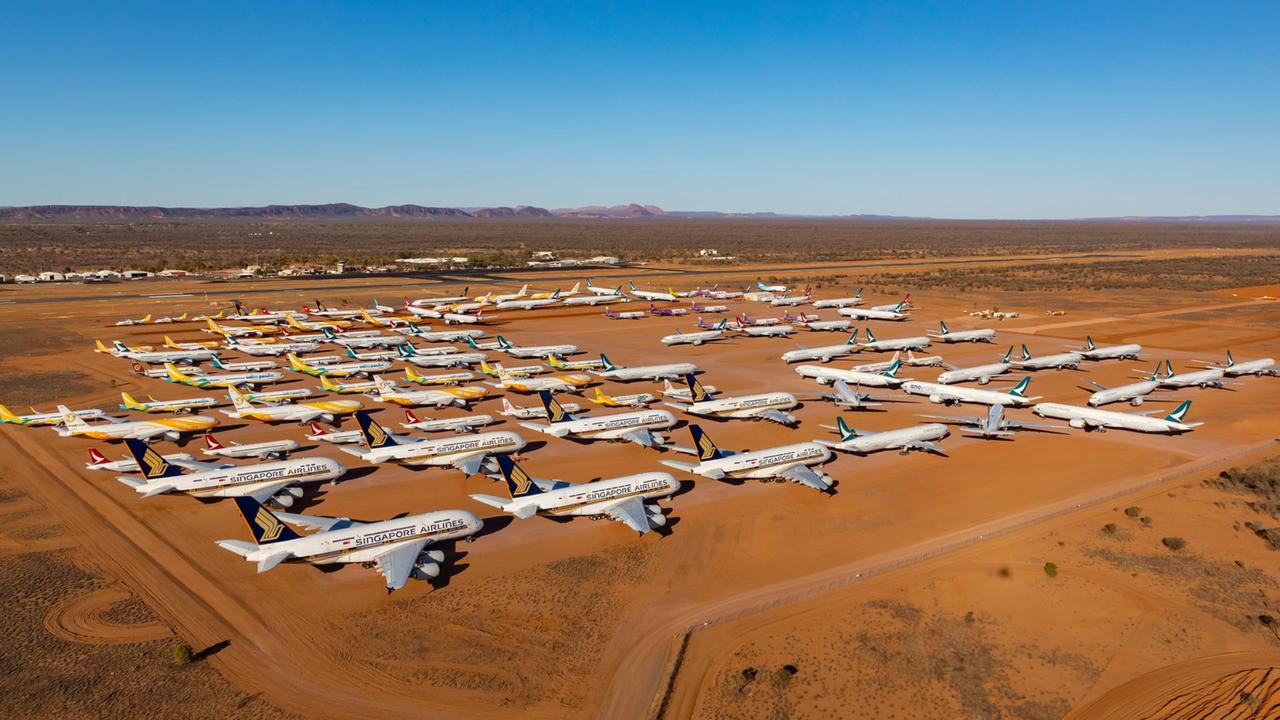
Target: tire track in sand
<point x="82" y="619"/>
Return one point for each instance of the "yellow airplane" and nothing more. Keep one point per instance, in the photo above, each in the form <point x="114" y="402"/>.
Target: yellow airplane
<point x="170" y="428"/>
<point x="496" y="370"/>
<point x="569" y="382"/>
<point x="312" y="326"/>
<point x="159" y="406"/>
<point x="352" y="388"/>
<point x="170" y="343"/>
<point x="443" y="379"/>
<point x="637" y="400"/>
<point x="241" y="330"/>
<point x="326" y="410"/>
<point x="121" y="347"/>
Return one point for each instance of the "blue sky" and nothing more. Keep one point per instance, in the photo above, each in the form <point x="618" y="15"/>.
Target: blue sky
<point x="945" y="109"/>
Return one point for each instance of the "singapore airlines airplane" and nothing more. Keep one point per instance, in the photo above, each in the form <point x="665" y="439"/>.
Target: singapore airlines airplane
<point x="273" y="481"/>
<point x="953" y="394"/>
<point x="621" y="498"/>
<point x="946" y="335"/>
<point x="786" y="462"/>
<point x="396" y="547"/>
<point x="169" y="428"/>
<point x="465" y="452"/>
<point x="904" y="440"/>
<point x="1090" y="418"/>
<point x="638" y="427"/>
<point x="765" y="406"/>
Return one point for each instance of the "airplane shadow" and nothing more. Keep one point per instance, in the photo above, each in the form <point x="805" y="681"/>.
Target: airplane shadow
<point x="359" y="472"/>
<point x="686" y="486"/>
<point x="665" y="530"/>
<point x="533" y="445"/>
<point x="493" y="524"/>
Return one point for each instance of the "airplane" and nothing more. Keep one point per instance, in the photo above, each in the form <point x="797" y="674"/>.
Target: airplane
<point x="198" y="345"/>
<point x="566" y="382"/>
<point x="744" y="321"/>
<point x="275" y="396"/>
<point x="767" y="330"/>
<point x="439" y="357"/>
<point x="346" y="388"/>
<point x="946" y="335"/>
<point x="438" y="379"/>
<point x="904" y="304"/>
<point x="828" y="375"/>
<point x="793" y="300"/>
<point x="119" y="349"/>
<point x="364" y="341"/>
<point x="682" y="393"/>
<point x="535" y="351"/>
<point x="764" y="406"/>
<point x="555" y="362"/>
<point x="1133" y="393"/>
<point x="274" y="481"/>
<point x="709" y="309"/>
<point x="422" y="312"/>
<point x="322" y="311"/>
<point x="1208" y="377"/>
<point x="638" y="427"/>
<point x="440" y="335"/>
<point x="623" y="373"/>
<point x="378" y="354"/>
<point x="770" y="288"/>
<point x="328" y="434"/>
<point x="667" y="312"/>
<point x="846" y="398"/>
<point x="98" y="461"/>
<point x="919" y="342"/>
<point x="386" y="322"/>
<point x="237" y="331"/>
<point x="225" y="380"/>
<point x="953" y="394"/>
<point x="491" y="298"/>
<point x="1089" y="418"/>
<point x="861" y="442"/>
<point x="497" y="369"/>
<point x="981" y="373"/>
<point x="458" y="424"/>
<point x="668" y="296"/>
<point x="603" y="291"/>
<point x="814" y="324"/>
<point x="636" y="400"/>
<point x="492" y="345"/>
<point x="1259" y="367"/>
<point x="445" y="397"/>
<point x="453" y="318"/>
<point x="158" y="357"/>
<point x="620" y="498"/>
<point x="358" y="367"/>
<point x="993" y="425"/>
<point x="274" y="449"/>
<point x="466" y="453"/>
<point x="840" y="302"/>
<point x="880" y="366"/>
<point x="786" y="462"/>
<point x="925" y="361"/>
<point x="1090" y="351"/>
<point x="895" y="313"/>
<point x="292" y="321"/>
<point x="144" y="320"/>
<point x="528" y="303"/>
<point x="594" y="300"/>
<point x="571" y="292"/>
<point x="395" y="547"/>
<point x="697" y="337"/>
<point x="169" y="428"/>
<point x="1056" y="360"/>
<point x="327" y="410"/>
<point x="526" y="413"/>
<point x="275" y="349"/>
<point x="242" y="366"/>
<point x="158" y="406"/>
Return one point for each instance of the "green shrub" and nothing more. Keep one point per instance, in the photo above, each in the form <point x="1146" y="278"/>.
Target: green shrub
<point x="1133" y="511"/>
<point x="1109" y="528"/>
<point x="183" y="654"/>
<point x="1051" y="569"/>
<point x="1174" y="543"/>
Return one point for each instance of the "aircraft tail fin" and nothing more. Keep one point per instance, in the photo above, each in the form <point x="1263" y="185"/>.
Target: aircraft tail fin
<point x="942" y="328"/>
<point x="374" y="435"/>
<point x="1230" y="360"/>
<point x="1026" y="354"/>
<point x="608" y="366"/>
<point x="9" y="417"/>
<point x="238" y="400"/>
<point x="129" y="403"/>
<point x="555" y="411"/>
<point x="1088" y="343"/>
<point x="518" y="482"/>
<point x="99" y="347"/>
<point x="697" y="393"/>
<point x="265" y="527"/>
<point x="150" y="463"/>
<point x="1020" y="390"/>
<point x="1179" y="413"/>
<point x="704" y="445"/>
<point x="893" y="368"/>
<point x="211" y="442"/>
<point x="846" y="433"/>
<point x="96" y="457"/>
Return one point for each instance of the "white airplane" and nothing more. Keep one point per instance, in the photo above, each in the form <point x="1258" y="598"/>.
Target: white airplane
<point x="456" y="424"/>
<point x="764" y="406"/>
<point x="423" y="312"/>
<point x="824" y="353"/>
<point x="846" y="398"/>
<point x="993" y="425"/>
<point x="555" y="362"/>
<point x="449" y="358"/>
<point x="328" y="434"/>
<point x="924" y="361"/>
<point x="638" y="427"/>
<point x="528" y="413"/>
<point x="696" y="337"/>
<point x="786" y="462"/>
<point x="1057" y="361"/>
<point x="535" y="351"/>
<point x="98" y="461"/>
<point x="275" y="349"/>
<point x="453" y="318"/>
<point x="347" y="369"/>
<point x="377" y="354"/>
<point x="127" y="402"/>
<point x="465" y="452"/>
<point x="1208" y="377"/>
<point x="453" y="378"/>
<point x="946" y="335"/>
<point x="170" y="428"/>
<point x="529" y="303"/>
<point x="1259" y="367"/>
<point x="522" y="292"/>
<point x="878" y="367"/>
<point x="1090" y="351"/>
<point x="396" y="548"/>
<point x="276" y="396"/>
<point x="709" y="309"/>
<point x="620" y="498"/>
<point x="861" y="442"/>
<point x="444" y="397"/>
<point x="1133" y="393"/>
<point x="828" y="375"/>
<point x="225" y="380"/>
<point x="896" y="313"/>
<point x="918" y="342"/>
<point x="768" y="330"/>
<point x="274" y="481"/>
<point x="603" y="291"/>
<point x="623" y="373"/>
<point x="440" y="335"/>
<point x="667" y="312"/>
<point x="770" y="288"/>
<point x="1089" y="418"/>
<point x="904" y="304"/>
<point x="364" y="341"/>
<point x="953" y="394"/>
<point x="327" y="410"/>
<point x="594" y="300"/>
<point x="651" y="296"/>
<point x="159" y="357"/>
<point x="791" y="301"/>
<point x="981" y="373"/>
<point x="439" y="300"/>
<point x="840" y="302"/>
<point x="271" y="449"/>
<point x="565" y="382"/>
<point x="243" y="365"/>
<point x="497" y="369"/>
<point x="745" y="321"/>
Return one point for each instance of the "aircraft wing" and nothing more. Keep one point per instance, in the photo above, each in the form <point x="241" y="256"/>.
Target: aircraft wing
<point x="777" y="416"/>
<point x="803" y="475"/>
<point x="963" y="420"/>
<point x="470" y="464"/>
<point x="264" y="493"/>
<point x="925" y="446"/>
<point x="396" y="564"/>
<point x="630" y="512"/>
<point x="642" y="437"/>
<point x="317" y="522"/>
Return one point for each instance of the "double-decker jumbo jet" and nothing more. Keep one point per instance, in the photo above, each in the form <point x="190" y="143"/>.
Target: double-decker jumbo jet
<point x="1090" y="418"/>
<point x="828" y="375"/>
<point x="652" y="296"/>
<point x="457" y="424"/>
<point x="624" y="373"/>
<point x="534" y="411"/>
<point x="981" y="373"/>
<point x="397" y="547"/>
<point x="1129" y="351"/>
<point x="860" y="442"/>
<point x="993" y="424"/>
<point x="918" y="342"/>
<point x="465" y="452"/>
<point x="839" y="302"/>
<point x="127" y="402"/>
<point x="347" y="369"/>
<point x="273" y="481"/>
<point x="225" y="380"/>
<point x="786" y="462"/>
<point x="444" y="397"/>
<point x="896" y="313"/>
<point x="169" y="428"/>
<point x="947" y="335"/>
<point x="764" y="406"/>
<point x="620" y="498"/>
<point x="98" y="461"/>
<point x="710" y="333"/>
<point x="535" y="351"/>
<point x="638" y="427"/>
<point x="326" y="410"/>
<point x="953" y="394"/>
<point x="1057" y="361"/>
<point x="1208" y="377"/>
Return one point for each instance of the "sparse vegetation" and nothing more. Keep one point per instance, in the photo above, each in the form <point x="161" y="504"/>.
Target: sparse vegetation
<point x="1051" y="569"/>
<point x="783" y="675"/>
<point x="1133" y="511"/>
<point x="1004" y="572"/>
<point x="183" y="654"/>
<point x="1109" y="528"/>
<point x="1173" y="543"/>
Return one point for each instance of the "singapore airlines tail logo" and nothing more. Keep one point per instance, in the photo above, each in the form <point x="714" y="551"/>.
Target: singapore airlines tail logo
<point x="156" y="465"/>
<point x="268" y="525"/>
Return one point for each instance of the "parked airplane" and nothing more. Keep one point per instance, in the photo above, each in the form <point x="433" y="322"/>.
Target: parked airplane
<point x="197" y="345"/>
<point x="453" y="318"/>
<point x="440" y="357"/>
<point x="770" y="288"/>
<point x="953" y="394"/>
<point x="946" y="335"/>
<point x="1057" y="360"/>
<point x="444" y="397"/>
<point x="1090" y="351"/>
<point x="620" y="498"/>
<point x="98" y="461"/>
<point x="828" y="375"/>
<point x="536" y="351"/>
<point x="709" y="309"/>
<point x="696" y="337"/>
<point x="1261" y="366"/>
<point x="238" y="331"/>
<point x="440" y="335"/>
<point x="276" y="349"/>
<point x="633" y="315"/>
<point x="814" y="323"/>
<point x="793" y="300"/>
<point x="454" y="378"/>
<point x="786" y="462"/>
<point x="1208" y="377"/>
<point x="224" y="380"/>
<point x="896" y="313"/>
<point x="395" y="547"/>
<point x="636" y="400"/>
<point x="528" y="303"/>
<point x="276" y="396"/>
<point x="764" y="406"/>
<point x="354" y="387"/>
<point x="456" y="424"/>
<point x="623" y="373"/>
<point x="993" y="424"/>
<point x="594" y="300"/>
<point x="904" y="304"/>
<point x="159" y="357"/>
<point x="981" y="373"/>
<point x="465" y="452"/>
<point x="667" y="312"/>
<point x="273" y="449"/>
<point x="242" y="366"/>
<point x="159" y="406"/>
<point x="846" y="398"/>
<point x="531" y="412"/>
<point x="327" y="410"/>
<point x="1133" y="393"/>
<point x="652" y="296"/>
<point x="144" y="320"/>
<point x="682" y="393"/>
<point x="556" y="362"/>
<point x="347" y="369"/>
<point x="745" y="321"/>
<point x="603" y="291"/>
<point x="638" y="427"/>
<point x="328" y="434"/>
<point x="497" y="369"/>
<point x="923" y="361"/>
<point x="172" y="428"/>
<point x="840" y="302"/>
<point x="1089" y="418"/>
<point x="768" y="330"/>
<point x="904" y="440"/>
<point x="273" y="481"/>
<point x="565" y="382"/>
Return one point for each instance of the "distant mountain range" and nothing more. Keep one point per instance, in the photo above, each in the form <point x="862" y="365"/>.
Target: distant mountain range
<point x="347" y="211"/>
